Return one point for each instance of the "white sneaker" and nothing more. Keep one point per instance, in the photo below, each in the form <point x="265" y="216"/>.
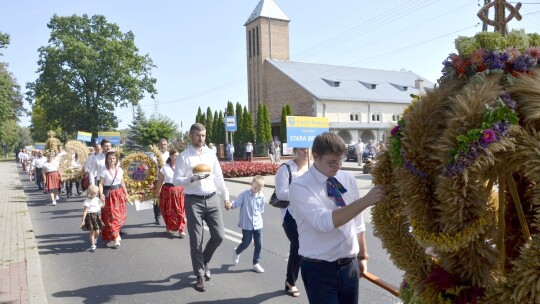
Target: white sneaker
<point x="257" y="268"/>
<point x="57" y="198"/>
<point x="235" y="256"/>
<point x="53" y="203"/>
<point x="93" y="247"/>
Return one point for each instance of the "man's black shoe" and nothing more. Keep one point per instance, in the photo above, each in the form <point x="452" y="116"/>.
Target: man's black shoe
<point x="207" y="274"/>
<point x="157" y="222"/>
<point x="122" y="232"/>
<point x="200" y="285"/>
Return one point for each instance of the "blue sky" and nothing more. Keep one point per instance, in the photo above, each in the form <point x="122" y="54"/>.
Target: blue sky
<point x="199" y="46"/>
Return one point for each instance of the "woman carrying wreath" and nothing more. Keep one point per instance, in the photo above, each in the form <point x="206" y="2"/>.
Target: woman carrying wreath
<point x="114" y="193"/>
<point x="171" y="197"/>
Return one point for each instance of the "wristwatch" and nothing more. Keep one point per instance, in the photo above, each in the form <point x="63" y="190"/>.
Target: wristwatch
<point x="363" y="257"/>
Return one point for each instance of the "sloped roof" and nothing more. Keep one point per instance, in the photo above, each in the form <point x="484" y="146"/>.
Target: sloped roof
<point x="269" y="9"/>
<point x="331" y="82"/>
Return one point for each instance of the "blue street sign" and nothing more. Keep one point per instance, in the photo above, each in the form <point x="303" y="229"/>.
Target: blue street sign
<point x="230" y="123"/>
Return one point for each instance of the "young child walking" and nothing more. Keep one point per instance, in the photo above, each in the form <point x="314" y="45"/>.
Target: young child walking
<point x="251" y="203"/>
<point x="91" y="219"/>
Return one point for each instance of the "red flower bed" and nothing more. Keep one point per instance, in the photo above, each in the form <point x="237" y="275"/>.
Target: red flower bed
<point x="244" y="168"/>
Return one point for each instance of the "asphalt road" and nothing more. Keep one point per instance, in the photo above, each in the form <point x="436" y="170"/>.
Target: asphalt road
<point x="153" y="267"/>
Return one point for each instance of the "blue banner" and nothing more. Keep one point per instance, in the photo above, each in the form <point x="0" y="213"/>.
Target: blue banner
<point x="113" y="137"/>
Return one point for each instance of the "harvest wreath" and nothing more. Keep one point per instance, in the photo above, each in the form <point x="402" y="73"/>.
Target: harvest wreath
<point x="461" y="176"/>
<point x="140" y="172"/>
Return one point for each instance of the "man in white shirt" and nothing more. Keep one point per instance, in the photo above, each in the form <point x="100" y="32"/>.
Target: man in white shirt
<point x="37" y="164"/>
<point x="249" y="151"/>
<point x="90" y="160"/>
<point x="201" y="201"/>
<point x="360" y="151"/>
<point x="327" y="208"/>
<point x="98" y="163"/>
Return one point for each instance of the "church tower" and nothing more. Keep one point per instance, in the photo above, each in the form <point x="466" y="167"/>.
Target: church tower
<point x="267" y="36"/>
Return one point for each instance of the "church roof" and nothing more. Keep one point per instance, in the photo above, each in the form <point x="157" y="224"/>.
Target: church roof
<point x="332" y="82"/>
<point x="268" y="9"/>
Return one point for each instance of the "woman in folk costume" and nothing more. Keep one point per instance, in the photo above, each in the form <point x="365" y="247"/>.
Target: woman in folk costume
<point x="171" y="198"/>
<point x="114" y="193"/>
<point x="52" y="176"/>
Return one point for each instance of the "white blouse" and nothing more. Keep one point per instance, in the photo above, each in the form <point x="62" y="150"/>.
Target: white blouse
<point x="110" y="174"/>
<point x="93" y="204"/>
<point x="50" y="167"/>
<point x="168" y="173"/>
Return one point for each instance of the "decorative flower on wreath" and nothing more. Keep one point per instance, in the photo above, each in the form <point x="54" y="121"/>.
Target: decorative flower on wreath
<point x="140" y="173"/>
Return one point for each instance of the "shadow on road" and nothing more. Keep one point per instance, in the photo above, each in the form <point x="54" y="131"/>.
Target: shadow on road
<point x="106" y="293"/>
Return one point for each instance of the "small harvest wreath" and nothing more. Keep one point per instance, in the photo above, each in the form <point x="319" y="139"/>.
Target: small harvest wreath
<point x="462" y="179"/>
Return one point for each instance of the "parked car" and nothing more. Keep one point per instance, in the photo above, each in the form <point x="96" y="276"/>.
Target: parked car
<point x="351" y="153"/>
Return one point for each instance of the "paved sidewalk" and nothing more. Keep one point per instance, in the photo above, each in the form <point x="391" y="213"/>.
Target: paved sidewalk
<point x="20" y="266"/>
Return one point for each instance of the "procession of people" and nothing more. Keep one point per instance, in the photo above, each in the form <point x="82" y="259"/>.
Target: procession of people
<point x="186" y="186"/>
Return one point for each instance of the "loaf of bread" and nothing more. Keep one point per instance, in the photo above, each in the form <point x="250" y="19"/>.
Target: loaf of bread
<point x="202" y="168"/>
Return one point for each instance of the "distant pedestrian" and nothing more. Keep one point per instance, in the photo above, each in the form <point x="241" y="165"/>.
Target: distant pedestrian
<point x="37" y="163"/>
<point x="360" y="146"/>
<point x="52" y="176"/>
<point x="272" y="152"/>
<point x="91" y="218"/>
<point x="251" y="203"/>
<point x="249" y="151"/>
<point x="278" y="153"/>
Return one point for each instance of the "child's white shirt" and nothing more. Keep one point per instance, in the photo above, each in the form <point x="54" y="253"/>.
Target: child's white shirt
<point x="93" y="204"/>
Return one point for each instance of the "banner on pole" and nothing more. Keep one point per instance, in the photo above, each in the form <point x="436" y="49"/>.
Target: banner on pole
<point x="302" y="130"/>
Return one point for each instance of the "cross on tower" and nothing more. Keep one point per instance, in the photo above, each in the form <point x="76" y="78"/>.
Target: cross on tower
<point x="501" y="20"/>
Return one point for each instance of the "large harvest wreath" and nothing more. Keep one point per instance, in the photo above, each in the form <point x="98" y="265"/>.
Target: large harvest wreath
<point x="69" y="171"/>
<point x="462" y="173"/>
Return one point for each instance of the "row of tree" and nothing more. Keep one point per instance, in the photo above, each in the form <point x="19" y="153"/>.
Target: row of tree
<point x="11" y="104"/>
<point x="261" y="136"/>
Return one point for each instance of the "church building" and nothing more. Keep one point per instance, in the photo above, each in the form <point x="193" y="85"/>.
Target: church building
<point x="359" y="103"/>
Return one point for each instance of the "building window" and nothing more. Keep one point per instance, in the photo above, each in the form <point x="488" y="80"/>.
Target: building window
<point x="354" y="117"/>
<point x="395" y="117"/>
<point x="376" y="117"/>
<point x="257" y="41"/>
<point x="249" y="42"/>
<point x="253" y="41"/>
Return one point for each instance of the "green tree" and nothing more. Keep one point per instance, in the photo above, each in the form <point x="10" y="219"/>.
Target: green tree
<point x="215" y="127"/>
<point x="247" y="126"/>
<point x="88" y="69"/>
<point x="24" y="137"/>
<point x="199" y="118"/>
<point x="10" y="134"/>
<point x="230" y="109"/>
<point x="221" y="129"/>
<point x="156" y="128"/>
<point x="267" y="127"/>
<point x="209" y="125"/>
<point x="40" y="125"/>
<point x="11" y="102"/>
<point x="136" y="127"/>
<point x="239" y="134"/>
<point x="285" y="111"/>
<point x="4" y="41"/>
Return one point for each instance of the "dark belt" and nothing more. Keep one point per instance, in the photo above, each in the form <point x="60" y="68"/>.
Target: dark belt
<point x="204" y="197"/>
<point x="113" y="187"/>
<point x="339" y="262"/>
<point x="168" y="184"/>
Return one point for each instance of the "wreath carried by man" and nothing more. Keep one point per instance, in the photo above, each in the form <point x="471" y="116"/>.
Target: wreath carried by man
<point x="462" y="179"/>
